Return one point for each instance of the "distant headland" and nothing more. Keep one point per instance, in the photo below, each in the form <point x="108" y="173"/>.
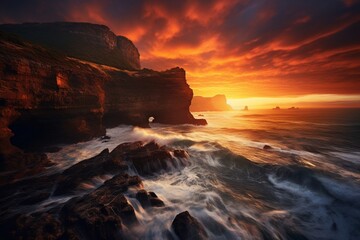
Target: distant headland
<point x="215" y="103"/>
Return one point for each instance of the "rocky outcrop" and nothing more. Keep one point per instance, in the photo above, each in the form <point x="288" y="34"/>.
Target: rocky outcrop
<point x="98" y="212"/>
<point x="148" y="199"/>
<point x="147" y="159"/>
<point x="187" y="227"/>
<point x="47" y="98"/>
<point x="151" y="158"/>
<point x="215" y="103"/>
<point x="91" y="42"/>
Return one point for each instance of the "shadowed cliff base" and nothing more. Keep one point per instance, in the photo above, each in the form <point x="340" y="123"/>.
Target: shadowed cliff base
<point x="48" y="98"/>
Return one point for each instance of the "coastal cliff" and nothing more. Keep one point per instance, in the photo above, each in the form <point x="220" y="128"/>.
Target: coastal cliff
<point x="48" y="98"/>
<point x="215" y="103"/>
<point x="86" y="41"/>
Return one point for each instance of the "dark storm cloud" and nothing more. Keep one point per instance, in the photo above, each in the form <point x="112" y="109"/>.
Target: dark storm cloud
<point x="288" y="46"/>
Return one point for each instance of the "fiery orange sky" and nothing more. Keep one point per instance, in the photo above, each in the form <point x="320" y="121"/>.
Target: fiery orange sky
<point x="241" y="48"/>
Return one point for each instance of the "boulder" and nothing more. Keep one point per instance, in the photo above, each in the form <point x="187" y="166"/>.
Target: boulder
<point x="151" y="158"/>
<point x="267" y="147"/>
<point x="187" y="227"/>
<point x="148" y="199"/>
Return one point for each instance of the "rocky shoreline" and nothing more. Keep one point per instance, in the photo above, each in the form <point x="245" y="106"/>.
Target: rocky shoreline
<point x="61" y="205"/>
<point x="64" y="83"/>
<point x="50" y="96"/>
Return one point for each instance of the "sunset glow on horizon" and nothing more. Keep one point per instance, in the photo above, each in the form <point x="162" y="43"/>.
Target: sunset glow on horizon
<point x="250" y="50"/>
<point x="306" y="101"/>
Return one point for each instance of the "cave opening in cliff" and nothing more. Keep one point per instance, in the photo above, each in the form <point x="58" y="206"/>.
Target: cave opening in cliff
<point x="151" y="119"/>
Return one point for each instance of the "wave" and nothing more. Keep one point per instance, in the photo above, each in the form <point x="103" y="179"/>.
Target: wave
<point x="237" y="189"/>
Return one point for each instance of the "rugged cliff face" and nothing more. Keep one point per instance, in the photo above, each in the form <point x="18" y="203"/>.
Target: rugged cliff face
<point x="49" y="98"/>
<point x="215" y="103"/>
<point x="91" y="42"/>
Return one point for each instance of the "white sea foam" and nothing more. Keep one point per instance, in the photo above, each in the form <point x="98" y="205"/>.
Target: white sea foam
<point x="238" y="206"/>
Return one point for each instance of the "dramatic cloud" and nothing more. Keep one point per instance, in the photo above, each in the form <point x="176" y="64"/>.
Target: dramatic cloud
<point x="243" y="48"/>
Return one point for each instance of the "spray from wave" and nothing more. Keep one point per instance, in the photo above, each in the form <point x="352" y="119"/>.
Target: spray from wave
<point x="305" y="186"/>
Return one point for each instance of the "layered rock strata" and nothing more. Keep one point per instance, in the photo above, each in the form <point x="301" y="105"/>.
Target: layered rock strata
<point x="48" y="98"/>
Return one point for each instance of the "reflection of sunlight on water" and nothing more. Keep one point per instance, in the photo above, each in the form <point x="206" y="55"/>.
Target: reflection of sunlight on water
<point x="232" y="203"/>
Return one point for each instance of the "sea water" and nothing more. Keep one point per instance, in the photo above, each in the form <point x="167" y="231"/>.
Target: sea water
<point x="304" y="185"/>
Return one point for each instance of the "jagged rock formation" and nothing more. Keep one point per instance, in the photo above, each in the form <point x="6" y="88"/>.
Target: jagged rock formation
<point x="98" y="212"/>
<point x="48" y="98"/>
<point x="187" y="227"/>
<point x="215" y="103"/>
<point x="91" y="42"/>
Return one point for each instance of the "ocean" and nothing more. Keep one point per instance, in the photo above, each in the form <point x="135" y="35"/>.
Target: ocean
<point x="305" y="184"/>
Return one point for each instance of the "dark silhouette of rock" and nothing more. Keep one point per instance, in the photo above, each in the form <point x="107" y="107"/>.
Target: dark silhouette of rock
<point x="148" y="199"/>
<point x="151" y="158"/>
<point x="96" y="213"/>
<point x="108" y="197"/>
<point x="180" y="153"/>
<point x="246" y="108"/>
<point x="38" y="226"/>
<point x="267" y="147"/>
<point x="187" y="227"/>
<point x="216" y="103"/>
<point x="99" y="214"/>
<point x="99" y="165"/>
<point x="147" y="159"/>
<point x="90" y="42"/>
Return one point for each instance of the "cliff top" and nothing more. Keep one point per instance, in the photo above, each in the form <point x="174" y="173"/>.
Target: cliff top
<point x="86" y="41"/>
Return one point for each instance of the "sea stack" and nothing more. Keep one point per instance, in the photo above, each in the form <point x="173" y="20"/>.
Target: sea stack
<point x="215" y="103"/>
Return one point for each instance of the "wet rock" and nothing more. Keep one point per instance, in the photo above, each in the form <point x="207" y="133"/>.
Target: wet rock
<point x="101" y="213"/>
<point x="180" y="153"/>
<point x="101" y="164"/>
<point x="38" y="226"/>
<point x="149" y="199"/>
<point x="187" y="227"/>
<point x="121" y="182"/>
<point x="125" y="148"/>
<point x="14" y="196"/>
<point x="152" y="158"/>
<point x="267" y="147"/>
<point x="22" y="165"/>
<point x="94" y="218"/>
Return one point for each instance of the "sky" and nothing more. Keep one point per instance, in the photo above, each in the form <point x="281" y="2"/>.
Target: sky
<point x="256" y="52"/>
